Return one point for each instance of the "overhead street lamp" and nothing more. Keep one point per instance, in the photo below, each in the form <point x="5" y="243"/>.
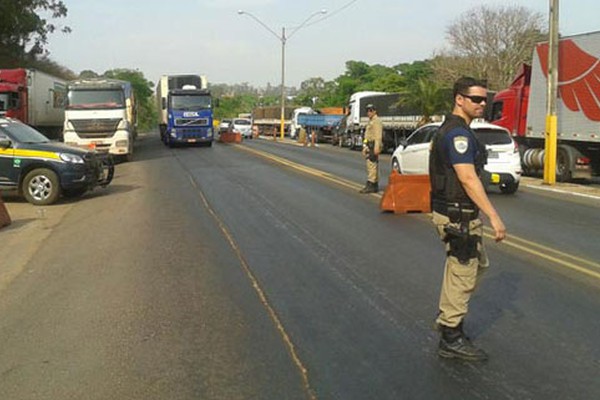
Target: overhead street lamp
<point x="283" y="39"/>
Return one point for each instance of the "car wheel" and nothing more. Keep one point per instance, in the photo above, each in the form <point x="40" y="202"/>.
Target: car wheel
<point x="509" y="188"/>
<point x="41" y="187"/>
<point x="396" y="165"/>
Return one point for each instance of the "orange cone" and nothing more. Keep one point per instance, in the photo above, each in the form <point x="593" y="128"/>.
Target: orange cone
<point x="406" y="193"/>
<point x="4" y="217"/>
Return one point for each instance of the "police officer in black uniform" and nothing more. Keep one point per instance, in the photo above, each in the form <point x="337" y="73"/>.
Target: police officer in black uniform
<point x="456" y="162"/>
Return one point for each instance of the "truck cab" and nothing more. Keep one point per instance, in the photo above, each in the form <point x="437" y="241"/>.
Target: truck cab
<point x="294" y="124"/>
<point x="189" y="116"/>
<point x="100" y="113"/>
<point x="42" y="170"/>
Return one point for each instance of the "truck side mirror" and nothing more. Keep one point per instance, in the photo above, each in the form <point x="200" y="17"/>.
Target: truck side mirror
<point x="5" y="143"/>
<point x="164" y="103"/>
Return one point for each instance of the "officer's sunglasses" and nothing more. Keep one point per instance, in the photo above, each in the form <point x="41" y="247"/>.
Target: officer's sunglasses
<point x="475" y="99"/>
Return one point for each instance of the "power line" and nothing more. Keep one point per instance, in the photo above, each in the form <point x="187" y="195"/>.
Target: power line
<point x="333" y="13"/>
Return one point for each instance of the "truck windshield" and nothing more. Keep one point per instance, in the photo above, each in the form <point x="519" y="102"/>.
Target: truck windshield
<point x="22" y="133"/>
<point x="190" y="102"/>
<point x="3" y="101"/>
<point x="96" y="99"/>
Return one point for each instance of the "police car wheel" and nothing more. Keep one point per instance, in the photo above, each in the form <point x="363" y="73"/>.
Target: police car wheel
<point x="41" y="187"/>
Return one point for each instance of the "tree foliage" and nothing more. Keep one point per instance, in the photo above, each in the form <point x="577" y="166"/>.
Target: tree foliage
<point x="147" y="113"/>
<point x="24" y="28"/>
<point x="489" y="43"/>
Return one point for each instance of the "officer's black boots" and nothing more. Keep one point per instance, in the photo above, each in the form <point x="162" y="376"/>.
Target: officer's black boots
<point x="370" y="187"/>
<point x="454" y="344"/>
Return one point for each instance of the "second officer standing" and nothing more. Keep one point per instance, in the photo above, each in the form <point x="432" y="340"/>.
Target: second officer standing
<point x="372" y="146"/>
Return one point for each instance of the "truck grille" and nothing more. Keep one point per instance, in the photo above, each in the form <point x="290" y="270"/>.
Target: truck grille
<point x="95" y="128"/>
<point x="191" y="133"/>
<point x="191" y="121"/>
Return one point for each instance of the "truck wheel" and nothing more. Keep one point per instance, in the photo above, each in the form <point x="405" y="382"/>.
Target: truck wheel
<point x="563" y="164"/>
<point x="41" y="187"/>
<point x="509" y="188"/>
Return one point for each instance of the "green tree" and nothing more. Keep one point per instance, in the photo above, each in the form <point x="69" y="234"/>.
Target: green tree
<point x="232" y="106"/>
<point x="147" y="113"/>
<point x="23" y="32"/>
<point x="427" y="97"/>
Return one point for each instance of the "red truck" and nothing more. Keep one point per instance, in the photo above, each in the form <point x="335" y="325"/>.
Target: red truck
<point x="522" y="108"/>
<point x="35" y="98"/>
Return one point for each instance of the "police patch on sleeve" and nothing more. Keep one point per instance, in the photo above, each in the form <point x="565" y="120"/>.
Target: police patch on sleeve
<point x="461" y="144"/>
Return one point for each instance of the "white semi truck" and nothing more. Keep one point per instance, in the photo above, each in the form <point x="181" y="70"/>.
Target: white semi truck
<point x="101" y="114"/>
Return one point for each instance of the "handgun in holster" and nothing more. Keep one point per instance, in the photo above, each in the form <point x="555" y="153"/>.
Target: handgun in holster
<point x="462" y="245"/>
<point x="371" y="156"/>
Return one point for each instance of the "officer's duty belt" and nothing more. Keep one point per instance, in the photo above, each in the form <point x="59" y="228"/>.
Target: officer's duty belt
<point x="441" y="207"/>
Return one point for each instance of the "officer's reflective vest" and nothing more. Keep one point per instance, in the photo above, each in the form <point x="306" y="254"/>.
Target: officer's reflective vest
<point x="445" y="186"/>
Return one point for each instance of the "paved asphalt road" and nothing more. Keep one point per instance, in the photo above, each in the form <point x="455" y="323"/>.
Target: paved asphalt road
<point x="220" y="273"/>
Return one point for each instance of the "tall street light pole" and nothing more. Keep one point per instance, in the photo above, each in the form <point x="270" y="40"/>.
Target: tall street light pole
<point x="552" y="92"/>
<point x="283" y="39"/>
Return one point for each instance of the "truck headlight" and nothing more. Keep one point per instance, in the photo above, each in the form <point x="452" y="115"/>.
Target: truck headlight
<point x="122" y="143"/>
<point x="71" y="158"/>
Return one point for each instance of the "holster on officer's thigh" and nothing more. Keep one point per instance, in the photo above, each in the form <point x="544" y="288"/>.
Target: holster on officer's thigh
<point x="462" y="244"/>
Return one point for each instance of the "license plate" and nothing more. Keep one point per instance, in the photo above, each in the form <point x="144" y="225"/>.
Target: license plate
<point x="493" y="154"/>
<point x="495" y="178"/>
<point x="191" y="140"/>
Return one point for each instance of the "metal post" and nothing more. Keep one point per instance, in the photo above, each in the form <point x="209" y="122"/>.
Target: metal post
<point x="551" y="117"/>
<point x="283" y="40"/>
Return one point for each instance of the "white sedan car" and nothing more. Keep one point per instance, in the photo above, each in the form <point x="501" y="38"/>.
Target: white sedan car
<point x="503" y="167"/>
<point x="243" y="126"/>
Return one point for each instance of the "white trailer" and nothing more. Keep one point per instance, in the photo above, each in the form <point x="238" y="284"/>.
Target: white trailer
<point x="522" y="108"/>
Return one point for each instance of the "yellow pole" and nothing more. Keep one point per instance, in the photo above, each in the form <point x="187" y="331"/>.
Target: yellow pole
<point x="550" y="150"/>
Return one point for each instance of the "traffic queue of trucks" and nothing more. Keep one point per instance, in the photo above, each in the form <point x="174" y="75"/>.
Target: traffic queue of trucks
<point x="98" y="113"/>
<point x="522" y="108"/>
<point x="185" y="109"/>
<point x="101" y="113"/>
<point x="398" y="120"/>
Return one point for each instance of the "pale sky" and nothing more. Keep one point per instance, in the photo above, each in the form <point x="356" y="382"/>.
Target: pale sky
<point x="208" y="37"/>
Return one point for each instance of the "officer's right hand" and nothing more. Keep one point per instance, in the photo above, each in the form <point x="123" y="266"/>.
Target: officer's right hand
<point x="499" y="228"/>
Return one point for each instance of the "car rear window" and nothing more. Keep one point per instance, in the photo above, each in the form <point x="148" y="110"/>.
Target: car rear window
<point x="241" y="122"/>
<point x="493" y="136"/>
